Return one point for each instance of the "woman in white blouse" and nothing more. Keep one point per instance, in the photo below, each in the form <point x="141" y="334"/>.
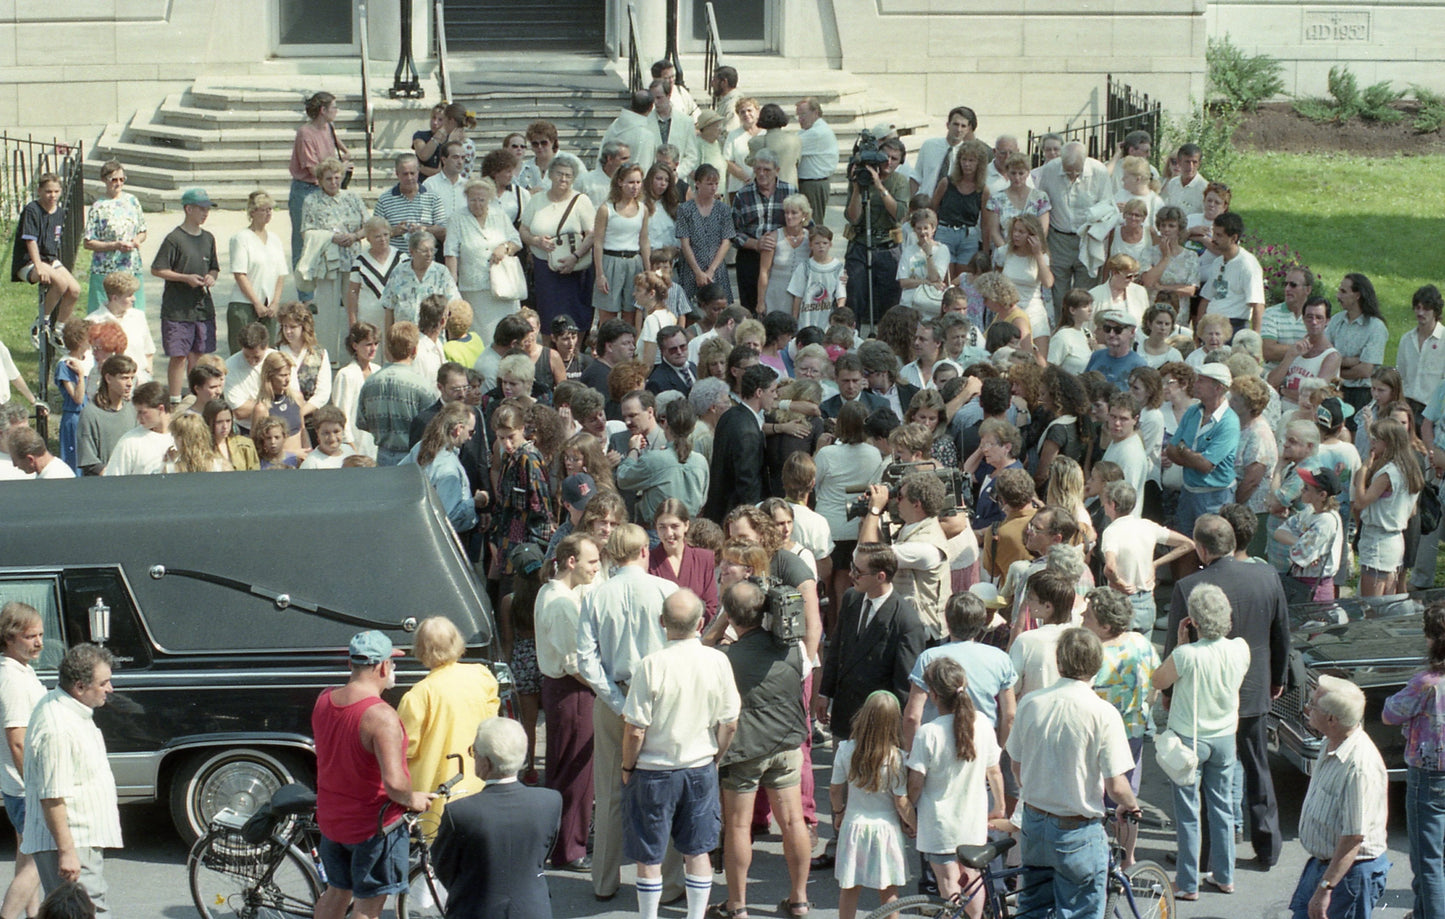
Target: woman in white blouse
<point x="370" y="271"/>
<point x="362" y="342"/>
<point x="313" y="364"/>
<point x="258" y="263"/>
<point x="1120" y="290"/>
<point x="477" y="239"/>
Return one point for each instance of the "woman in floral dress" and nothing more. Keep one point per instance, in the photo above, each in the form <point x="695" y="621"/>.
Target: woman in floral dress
<point x="115" y="227"/>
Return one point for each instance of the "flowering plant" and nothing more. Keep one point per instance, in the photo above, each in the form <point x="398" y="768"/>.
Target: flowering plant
<point x="1276" y="260"/>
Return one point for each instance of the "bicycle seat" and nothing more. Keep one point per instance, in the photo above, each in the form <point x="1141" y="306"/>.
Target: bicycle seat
<point x="978" y="857"/>
<point x="293" y="799"/>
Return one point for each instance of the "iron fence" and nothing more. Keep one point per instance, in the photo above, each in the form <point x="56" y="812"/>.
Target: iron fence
<point x="1125" y="110"/>
<point x="26" y="159"/>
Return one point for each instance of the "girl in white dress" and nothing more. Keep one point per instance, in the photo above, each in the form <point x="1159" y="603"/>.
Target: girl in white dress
<point x="1384" y="491"/>
<point x="954" y="779"/>
<point x="870" y="805"/>
<point x="1026" y="262"/>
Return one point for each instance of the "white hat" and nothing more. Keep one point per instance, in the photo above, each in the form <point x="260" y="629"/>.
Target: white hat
<point x="1117" y="317"/>
<point x="1217" y="372"/>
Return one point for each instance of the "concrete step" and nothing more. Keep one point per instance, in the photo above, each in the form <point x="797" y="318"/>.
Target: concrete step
<point x="182" y="110"/>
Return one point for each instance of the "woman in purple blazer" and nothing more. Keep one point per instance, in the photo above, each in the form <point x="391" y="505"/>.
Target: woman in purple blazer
<point x="676" y="561"/>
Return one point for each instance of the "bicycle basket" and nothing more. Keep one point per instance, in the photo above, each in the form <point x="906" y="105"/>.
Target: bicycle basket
<point x="230" y="852"/>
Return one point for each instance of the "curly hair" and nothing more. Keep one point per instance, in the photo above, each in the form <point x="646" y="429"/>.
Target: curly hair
<point x="770" y="538"/>
<point x="897" y="328"/>
<point x="994" y="287"/>
<point x="544" y="430"/>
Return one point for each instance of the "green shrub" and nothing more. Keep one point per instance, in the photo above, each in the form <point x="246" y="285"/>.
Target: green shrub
<point x="1212" y="130"/>
<point x="1276" y="261"/>
<point x="1240" y="81"/>
<point x="1430" y="115"/>
<point x="1346" y="101"/>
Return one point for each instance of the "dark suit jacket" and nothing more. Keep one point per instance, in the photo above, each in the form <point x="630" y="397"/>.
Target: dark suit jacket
<point x="475" y="454"/>
<point x="880" y="658"/>
<point x="491" y="849"/>
<point x="906" y="392"/>
<point x="738" y="473"/>
<point x="666" y="378"/>
<point x="1261" y="617"/>
<point x="834" y="404"/>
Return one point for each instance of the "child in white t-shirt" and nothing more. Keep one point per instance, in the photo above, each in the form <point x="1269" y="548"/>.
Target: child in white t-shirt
<point x="331" y="449"/>
<point x="120" y="288"/>
<point x="817" y="284"/>
<point x="649" y="289"/>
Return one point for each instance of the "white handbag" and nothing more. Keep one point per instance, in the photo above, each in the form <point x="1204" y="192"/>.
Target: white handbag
<point x="509" y="282"/>
<point x="1179" y="762"/>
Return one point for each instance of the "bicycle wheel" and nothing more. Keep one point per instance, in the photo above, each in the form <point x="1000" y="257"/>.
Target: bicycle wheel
<point x="922" y="905"/>
<point x="424" y="897"/>
<point x="1153" y="893"/>
<point x="234" y="880"/>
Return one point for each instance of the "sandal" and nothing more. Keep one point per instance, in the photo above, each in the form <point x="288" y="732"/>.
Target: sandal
<point x="721" y="911"/>
<point x="1222" y="888"/>
<point x="789" y="908"/>
<point x="1181" y="895"/>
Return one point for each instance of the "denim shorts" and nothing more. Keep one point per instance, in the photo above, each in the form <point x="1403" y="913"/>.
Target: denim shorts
<point x="679" y="803"/>
<point x="15" y="810"/>
<point x="373" y="868"/>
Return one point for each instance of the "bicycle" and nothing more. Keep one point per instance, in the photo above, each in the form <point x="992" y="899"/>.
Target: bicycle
<point x="268" y="866"/>
<point x="1143" y="891"/>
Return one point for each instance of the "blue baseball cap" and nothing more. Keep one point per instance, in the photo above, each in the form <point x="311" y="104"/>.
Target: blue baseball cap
<point x="371" y="648"/>
<point x="198" y="197"/>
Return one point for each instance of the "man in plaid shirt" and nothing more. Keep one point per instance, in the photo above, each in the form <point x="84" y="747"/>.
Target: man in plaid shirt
<point x="757" y="212"/>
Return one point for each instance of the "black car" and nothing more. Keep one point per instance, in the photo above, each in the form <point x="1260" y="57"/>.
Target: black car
<point x="1375" y="642"/>
<point x="228" y="601"/>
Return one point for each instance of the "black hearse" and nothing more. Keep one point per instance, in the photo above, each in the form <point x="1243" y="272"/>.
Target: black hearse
<point x="228" y="601"/>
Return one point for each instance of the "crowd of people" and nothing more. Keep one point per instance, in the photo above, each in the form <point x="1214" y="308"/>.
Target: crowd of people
<point x="973" y="444"/>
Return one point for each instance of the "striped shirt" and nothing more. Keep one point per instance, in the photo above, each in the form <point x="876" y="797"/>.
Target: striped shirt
<point x="424" y="208"/>
<point x="1348" y="796"/>
<point x="1364" y="337"/>
<point x="65" y="758"/>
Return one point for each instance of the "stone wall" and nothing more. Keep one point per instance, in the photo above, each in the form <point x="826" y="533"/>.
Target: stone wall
<point x="1398" y="40"/>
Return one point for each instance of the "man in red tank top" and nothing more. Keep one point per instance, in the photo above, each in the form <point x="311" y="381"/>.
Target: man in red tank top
<point x="361" y="768"/>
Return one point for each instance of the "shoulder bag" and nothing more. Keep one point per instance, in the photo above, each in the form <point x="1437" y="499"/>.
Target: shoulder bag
<point x="568" y="243"/>
<point x="1179" y="762"/>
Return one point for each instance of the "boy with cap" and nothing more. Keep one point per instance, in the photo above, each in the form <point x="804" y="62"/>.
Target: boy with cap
<point x="1117" y="359"/>
<point x="360" y="766"/>
<point x="187" y="262"/>
<point x="1315" y="537"/>
<point x="577" y="490"/>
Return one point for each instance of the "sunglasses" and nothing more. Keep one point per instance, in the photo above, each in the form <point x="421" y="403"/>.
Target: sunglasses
<point x="1293" y="284"/>
<point x="1113" y="329"/>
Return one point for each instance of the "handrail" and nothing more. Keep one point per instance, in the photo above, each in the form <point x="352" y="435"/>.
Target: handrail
<point x="712" y="52"/>
<point x="439" y="23"/>
<point x="368" y="117"/>
<point x="670" y="54"/>
<point x="634" y="63"/>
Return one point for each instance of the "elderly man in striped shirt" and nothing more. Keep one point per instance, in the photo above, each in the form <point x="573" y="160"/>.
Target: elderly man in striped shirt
<point x="71" y="812"/>
<point x="1342" y="823"/>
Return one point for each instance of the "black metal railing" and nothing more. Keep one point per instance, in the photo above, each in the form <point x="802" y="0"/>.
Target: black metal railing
<point x="634" y="52"/>
<point x="712" y="51"/>
<point x="1125" y="110"/>
<point x="670" y="54"/>
<point x="367" y="114"/>
<point x="26" y="159"/>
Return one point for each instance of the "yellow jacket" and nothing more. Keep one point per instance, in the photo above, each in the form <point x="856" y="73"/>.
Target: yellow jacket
<point x="441" y="714"/>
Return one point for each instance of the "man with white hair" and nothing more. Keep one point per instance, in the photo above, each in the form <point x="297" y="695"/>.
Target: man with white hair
<point x="1006" y="145"/>
<point x="681" y="713"/>
<point x="1342" y="823"/>
<point x="1075" y="185"/>
<point x="596" y="183"/>
<point x="757" y="212"/>
<point x="492" y="846"/>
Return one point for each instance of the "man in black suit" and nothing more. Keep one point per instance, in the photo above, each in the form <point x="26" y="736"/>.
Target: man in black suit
<point x="881" y="366"/>
<point x="852" y="386"/>
<point x="1261" y="617"/>
<point x="879" y="636"/>
<point x="674" y="372"/>
<point x="738" y="474"/>
<point x="491" y="847"/>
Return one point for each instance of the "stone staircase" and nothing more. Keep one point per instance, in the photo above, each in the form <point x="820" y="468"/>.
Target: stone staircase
<point x="233" y="135"/>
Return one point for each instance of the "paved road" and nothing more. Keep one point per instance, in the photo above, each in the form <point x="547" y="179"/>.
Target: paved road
<point x="148" y="878"/>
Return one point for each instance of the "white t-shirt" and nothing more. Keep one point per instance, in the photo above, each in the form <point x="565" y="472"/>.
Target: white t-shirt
<point x="1033" y="657"/>
<point x="20" y="691"/>
<point x="654" y="323"/>
<point x="819" y="285"/>
<point x="810" y="530"/>
<point x="140" y="346"/>
<point x="1134" y="460"/>
<point x="263" y="263"/>
<point x="679" y="694"/>
<point x="953" y="810"/>
<point x="318" y="460"/>
<point x="1067" y="741"/>
<point x="56" y="469"/>
<point x="243" y="384"/>
<point x="1236" y="284"/>
<point x="140" y="451"/>
<point x="1132" y="541"/>
<point x="915" y="265"/>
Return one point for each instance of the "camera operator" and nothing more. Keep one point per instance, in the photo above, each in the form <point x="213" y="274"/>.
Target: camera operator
<point x="767" y="750"/>
<point x="921" y="548"/>
<point x="887" y="208"/>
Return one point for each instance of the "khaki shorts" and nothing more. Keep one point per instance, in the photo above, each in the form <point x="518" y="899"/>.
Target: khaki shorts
<point x="778" y="770"/>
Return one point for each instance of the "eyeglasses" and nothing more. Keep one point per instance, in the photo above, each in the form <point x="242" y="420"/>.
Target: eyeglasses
<point x="1293" y="284"/>
<point x="517" y="146"/>
<point x="116" y="179"/>
<point x="1113" y="329"/>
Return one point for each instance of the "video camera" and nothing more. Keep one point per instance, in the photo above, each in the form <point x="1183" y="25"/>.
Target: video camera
<point x="782" y="609"/>
<point x="956" y="483"/>
<point x="865" y="154"/>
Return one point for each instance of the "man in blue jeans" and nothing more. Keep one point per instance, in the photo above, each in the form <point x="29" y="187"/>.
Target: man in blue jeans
<point x="1068" y="746"/>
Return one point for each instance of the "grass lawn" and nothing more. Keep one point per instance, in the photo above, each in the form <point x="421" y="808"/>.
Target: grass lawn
<point x="1378" y="216"/>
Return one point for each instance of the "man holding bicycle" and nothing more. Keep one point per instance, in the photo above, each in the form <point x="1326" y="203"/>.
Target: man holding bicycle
<point x="360" y="770"/>
<point x="1067" y="746"/>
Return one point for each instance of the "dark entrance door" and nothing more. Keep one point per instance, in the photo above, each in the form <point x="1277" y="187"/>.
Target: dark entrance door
<point x="526" y="25"/>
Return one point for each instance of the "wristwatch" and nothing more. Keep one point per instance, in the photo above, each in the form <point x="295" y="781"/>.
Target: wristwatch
<point x="1326" y="885"/>
<point x="876" y="511"/>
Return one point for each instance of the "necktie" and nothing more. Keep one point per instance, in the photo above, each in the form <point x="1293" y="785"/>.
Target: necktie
<point x="687" y="375"/>
<point x="664" y="128"/>
<point x="944" y="168"/>
<point x="866" y="618"/>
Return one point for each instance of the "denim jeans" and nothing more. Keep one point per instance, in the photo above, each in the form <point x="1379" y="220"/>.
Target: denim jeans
<point x="1216" y="766"/>
<point x="1065" y="870"/>
<point x="1145" y="611"/>
<point x="1425" y="816"/>
<point x="1356" y="894"/>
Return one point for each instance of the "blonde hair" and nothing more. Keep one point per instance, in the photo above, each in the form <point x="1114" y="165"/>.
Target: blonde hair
<point x="803" y="205"/>
<point x="438" y="642"/>
<point x="257" y="200"/>
<point x="195" y="450"/>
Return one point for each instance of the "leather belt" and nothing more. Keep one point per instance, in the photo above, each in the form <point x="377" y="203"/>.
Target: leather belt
<point x="1065" y="823"/>
<point x="621" y="253"/>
